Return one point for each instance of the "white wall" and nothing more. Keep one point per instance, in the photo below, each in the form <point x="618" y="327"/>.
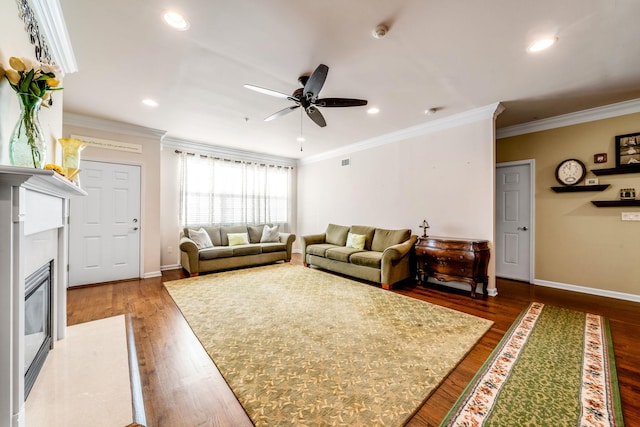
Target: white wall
<point x="446" y="176"/>
<point x="169" y="206"/>
<point x="14" y="41"/>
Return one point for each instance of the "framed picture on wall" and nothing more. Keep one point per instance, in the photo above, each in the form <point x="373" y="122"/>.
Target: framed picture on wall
<point x="628" y="150"/>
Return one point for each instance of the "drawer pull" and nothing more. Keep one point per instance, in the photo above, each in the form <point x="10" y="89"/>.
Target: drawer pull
<point x="461" y="256"/>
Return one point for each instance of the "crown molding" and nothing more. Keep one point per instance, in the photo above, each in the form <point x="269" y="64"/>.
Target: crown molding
<point x="584" y="116"/>
<point x="225" y="152"/>
<point x="51" y="20"/>
<point x="483" y="113"/>
<point x="80" y="120"/>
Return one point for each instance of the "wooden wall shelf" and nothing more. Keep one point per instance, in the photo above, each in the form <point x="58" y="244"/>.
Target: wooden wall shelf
<point x="580" y="188"/>
<point x="615" y="203"/>
<point x="617" y="171"/>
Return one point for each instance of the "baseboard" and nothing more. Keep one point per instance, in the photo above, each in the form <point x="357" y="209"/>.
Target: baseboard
<point x="151" y="274"/>
<point x="170" y="267"/>
<point x="586" y="290"/>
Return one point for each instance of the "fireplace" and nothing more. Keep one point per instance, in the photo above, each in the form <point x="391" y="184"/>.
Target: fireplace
<point x="37" y="323"/>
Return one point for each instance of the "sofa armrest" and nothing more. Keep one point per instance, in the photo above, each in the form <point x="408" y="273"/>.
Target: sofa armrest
<point x="310" y="239"/>
<point x="190" y="255"/>
<point x="397" y="257"/>
<point x="288" y="239"/>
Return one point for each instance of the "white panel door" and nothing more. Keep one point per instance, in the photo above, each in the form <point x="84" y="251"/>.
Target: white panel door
<point x="513" y="222"/>
<point x="104" y="228"/>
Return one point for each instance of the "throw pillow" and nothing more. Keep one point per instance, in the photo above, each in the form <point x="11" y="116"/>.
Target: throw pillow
<point x="201" y="238"/>
<point x="356" y="241"/>
<point x="238" y="239"/>
<point x="270" y="234"/>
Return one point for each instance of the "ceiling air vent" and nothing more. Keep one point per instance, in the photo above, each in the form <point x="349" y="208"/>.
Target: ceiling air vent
<point x="345" y="162"/>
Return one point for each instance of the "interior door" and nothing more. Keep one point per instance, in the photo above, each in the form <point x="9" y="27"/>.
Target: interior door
<point x="513" y="222"/>
<point x="104" y="227"/>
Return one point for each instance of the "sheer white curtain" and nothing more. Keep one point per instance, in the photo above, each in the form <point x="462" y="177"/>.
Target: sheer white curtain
<point x="220" y="191"/>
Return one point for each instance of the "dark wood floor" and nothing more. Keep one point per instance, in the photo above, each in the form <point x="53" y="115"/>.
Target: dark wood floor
<point x="182" y="387"/>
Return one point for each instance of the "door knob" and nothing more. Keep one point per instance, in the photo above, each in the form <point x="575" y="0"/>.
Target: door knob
<point x="525" y="228"/>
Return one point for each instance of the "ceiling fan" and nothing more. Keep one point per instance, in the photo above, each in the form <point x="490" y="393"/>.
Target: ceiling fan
<point x="307" y="97"/>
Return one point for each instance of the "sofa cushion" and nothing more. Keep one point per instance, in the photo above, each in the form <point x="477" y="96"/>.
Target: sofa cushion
<point x="382" y="238"/>
<point x="215" y="252"/>
<point x="319" y="249"/>
<point x="270" y="234"/>
<point x="355" y="241"/>
<point x="367" y="231"/>
<point x="273" y="247"/>
<point x="201" y="238"/>
<point x="224" y="231"/>
<point x="367" y="259"/>
<point x="236" y="239"/>
<point x="336" y="234"/>
<point x="242" y="250"/>
<point x="255" y="233"/>
<point x="341" y="253"/>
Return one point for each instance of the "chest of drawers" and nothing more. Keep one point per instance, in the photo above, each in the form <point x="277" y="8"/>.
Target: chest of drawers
<point x="460" y="260"/>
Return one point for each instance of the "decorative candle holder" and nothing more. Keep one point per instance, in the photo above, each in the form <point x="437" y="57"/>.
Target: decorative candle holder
<point x="71" y="149"/>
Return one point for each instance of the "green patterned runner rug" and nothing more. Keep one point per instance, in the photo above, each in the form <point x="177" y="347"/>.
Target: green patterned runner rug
<point x="554" y="367"/>
<point x="302" y="347"/>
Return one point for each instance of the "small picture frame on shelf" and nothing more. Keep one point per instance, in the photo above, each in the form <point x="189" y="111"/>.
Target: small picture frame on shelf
<point x="628" y="150"/>
<point x="627" y="194"/>
<point x="591" y="181"/>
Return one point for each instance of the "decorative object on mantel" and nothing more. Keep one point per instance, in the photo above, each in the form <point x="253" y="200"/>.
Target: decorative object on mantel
<point x="71" y="149"/>
<point x="627" y="194"/>
<point x="33" y="82"/>
<point x="424" y="225"/>
<point x="591" y="181"/>
<point x="628" y="150"/>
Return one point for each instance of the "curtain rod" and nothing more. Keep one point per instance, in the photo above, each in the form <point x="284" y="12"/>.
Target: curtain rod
<point x="231" y="160"/>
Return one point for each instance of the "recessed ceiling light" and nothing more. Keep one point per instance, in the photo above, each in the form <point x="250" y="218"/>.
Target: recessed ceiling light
<point x="373" y="110"/>
<point x="149" y="102"/>
<point x="430" y="111"/>
<point x="541" y="44"/>
<point x="176" y="21"/>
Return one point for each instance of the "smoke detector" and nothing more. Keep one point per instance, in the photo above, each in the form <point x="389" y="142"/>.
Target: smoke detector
<point x="380" y="31"/>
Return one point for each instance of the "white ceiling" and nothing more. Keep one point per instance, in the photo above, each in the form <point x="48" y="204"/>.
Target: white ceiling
<point x="454" y="55"/>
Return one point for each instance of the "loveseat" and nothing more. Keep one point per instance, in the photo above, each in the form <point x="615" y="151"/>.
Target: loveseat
<point x="368" y="253"/>
<point x="206" y="249"/>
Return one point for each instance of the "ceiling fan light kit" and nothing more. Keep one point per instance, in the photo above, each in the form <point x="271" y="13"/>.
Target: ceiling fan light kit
<point x="380" y="31"/>
<point x="307" y="97"/>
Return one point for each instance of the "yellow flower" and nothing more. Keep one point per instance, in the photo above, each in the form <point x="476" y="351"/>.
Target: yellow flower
<point x="13" y="76"/>
<point x="51" y="82"/>
<point x="17" y="64"/>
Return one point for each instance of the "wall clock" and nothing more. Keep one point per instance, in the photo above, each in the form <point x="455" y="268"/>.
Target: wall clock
<point x="570" y="172"/>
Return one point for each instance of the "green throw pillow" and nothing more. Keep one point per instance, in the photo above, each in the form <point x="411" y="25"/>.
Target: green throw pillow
<point x="238" y="239"/>
<point x="356" y="241"/>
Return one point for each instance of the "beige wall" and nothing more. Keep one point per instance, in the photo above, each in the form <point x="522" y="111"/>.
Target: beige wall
<point x="14" y="41"/>
<point x="445" y="176"/>
<point x="149" y="160"/>
<point x="577" y="243"/>
<point x="170" y="202"/>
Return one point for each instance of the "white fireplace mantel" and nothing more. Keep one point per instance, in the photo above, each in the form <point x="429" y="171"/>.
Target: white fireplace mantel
<point x="33" y="225"/>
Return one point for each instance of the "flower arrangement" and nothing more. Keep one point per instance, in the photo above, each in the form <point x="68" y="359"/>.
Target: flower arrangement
<point x="33" y="82"/>
<point x="33" y="78"/>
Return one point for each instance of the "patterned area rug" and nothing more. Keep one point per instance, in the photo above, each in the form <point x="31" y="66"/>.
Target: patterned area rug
<point x="302" y="347"/>
<point x="554" y="367"/>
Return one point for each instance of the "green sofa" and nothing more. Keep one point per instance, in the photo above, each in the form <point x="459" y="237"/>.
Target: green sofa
<point x="381" y="256"/>
<point x="222" y="256"/>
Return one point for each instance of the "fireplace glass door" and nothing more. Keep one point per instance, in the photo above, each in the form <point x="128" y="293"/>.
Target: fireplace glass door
<point x="37" y="323"/>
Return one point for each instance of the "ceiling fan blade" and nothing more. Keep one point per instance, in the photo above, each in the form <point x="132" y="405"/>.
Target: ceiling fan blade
<point x="340" y="102"/>
<point x="281" y="113"/>
<point x="268" y="91"/>
<point x="315" y="115"/>
<point x="315" y="82"/>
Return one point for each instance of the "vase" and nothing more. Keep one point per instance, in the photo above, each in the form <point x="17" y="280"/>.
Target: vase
<point x="71" y="149"/>
<point x="26" y="144"/>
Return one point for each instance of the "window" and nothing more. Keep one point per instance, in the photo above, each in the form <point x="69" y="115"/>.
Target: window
<point x="220" y="191"/>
